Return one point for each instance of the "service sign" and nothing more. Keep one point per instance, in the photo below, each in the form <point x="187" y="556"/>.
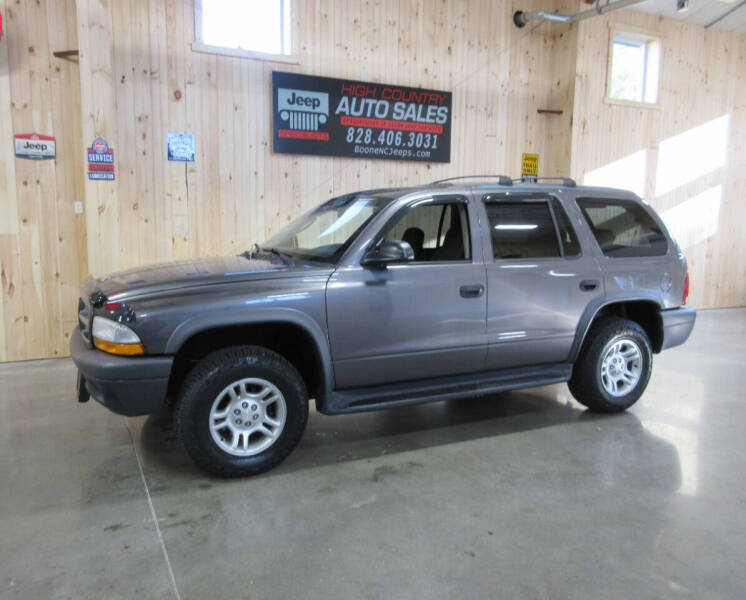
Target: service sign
<point x="100" y="161"/>
<point x="34" y="146"/>
<point x="339" y="117"/>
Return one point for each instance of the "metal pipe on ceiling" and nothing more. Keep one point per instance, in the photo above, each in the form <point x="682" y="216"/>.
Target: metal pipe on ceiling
<point x="521" y="18"/>
<point x="725" y="14"/>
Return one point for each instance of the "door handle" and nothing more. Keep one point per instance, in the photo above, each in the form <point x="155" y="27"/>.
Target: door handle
<point x="471" y="291"/>
<point x="588" y="285"/>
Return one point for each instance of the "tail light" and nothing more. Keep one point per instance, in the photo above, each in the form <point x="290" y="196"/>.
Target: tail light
<point x="686" y="289"/>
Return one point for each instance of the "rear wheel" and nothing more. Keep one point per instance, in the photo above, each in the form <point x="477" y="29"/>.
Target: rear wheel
<point x="241" y="411"/>
<point x="614" y="366"/>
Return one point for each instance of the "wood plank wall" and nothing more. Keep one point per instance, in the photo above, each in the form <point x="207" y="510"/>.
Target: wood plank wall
<point x="688" y="156"/>
<point x="138" y="79"/>
<point x="42" y="240"/>
<point x="238" y="191"/>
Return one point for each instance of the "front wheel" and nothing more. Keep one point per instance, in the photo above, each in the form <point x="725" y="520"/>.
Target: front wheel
<point x="241" y="411"/>
<point x="614" y="366"/>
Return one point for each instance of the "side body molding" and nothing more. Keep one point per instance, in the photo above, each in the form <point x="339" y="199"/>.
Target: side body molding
<point x="234" y="317"/>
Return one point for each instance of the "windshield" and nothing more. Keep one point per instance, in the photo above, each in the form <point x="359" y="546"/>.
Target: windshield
<point x="327" y="231"/>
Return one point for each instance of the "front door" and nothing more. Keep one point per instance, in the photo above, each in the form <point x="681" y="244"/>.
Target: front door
<point x="424" y="318"/>
<point x="539" y="281"/>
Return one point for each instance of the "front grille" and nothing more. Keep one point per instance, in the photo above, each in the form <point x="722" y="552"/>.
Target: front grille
<point x="84" y="318"/>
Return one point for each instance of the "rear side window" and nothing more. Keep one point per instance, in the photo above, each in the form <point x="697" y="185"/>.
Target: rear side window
<point x="522" y="230"/>
<point x="623" y="228"/>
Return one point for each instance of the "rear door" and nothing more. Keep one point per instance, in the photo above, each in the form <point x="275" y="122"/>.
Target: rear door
<point x="539" y="279"/>
<point x="636" y="256"/>
<point x="424" y="318"/>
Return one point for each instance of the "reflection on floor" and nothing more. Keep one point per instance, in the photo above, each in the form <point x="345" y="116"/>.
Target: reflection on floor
<point x="517" y="495"/>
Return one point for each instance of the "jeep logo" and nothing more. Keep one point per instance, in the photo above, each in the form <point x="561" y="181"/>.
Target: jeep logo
<point x="302" y="109"/>
<point x="303" y="100"/>
<point x="34" y="146"/>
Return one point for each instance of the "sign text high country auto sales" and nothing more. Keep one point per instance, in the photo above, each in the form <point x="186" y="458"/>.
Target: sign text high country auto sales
<point x="336" y="117"/>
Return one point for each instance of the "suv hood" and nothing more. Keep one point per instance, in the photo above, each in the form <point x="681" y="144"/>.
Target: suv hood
<point x="188" y="273"/>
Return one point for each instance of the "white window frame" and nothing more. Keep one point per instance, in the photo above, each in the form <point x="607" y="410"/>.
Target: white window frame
<point x="289" y="36"/>
<point x="643" y="35"/>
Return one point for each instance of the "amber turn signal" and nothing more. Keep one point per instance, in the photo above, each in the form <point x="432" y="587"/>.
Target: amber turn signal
<point x="120" y="349"/>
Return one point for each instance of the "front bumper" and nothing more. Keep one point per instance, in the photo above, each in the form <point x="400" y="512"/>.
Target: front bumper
<point x="677" y="325"/>
<point x="125" y="385"/>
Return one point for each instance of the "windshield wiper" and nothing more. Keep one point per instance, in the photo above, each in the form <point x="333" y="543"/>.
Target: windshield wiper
<point x="286" y="258"/>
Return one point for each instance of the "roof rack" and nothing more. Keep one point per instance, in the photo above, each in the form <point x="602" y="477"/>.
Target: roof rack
<point x="501" y="179"/>
<point x="566" y="181"/>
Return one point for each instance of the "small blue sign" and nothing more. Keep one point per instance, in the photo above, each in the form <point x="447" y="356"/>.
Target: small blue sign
<point x="180" y="146"/>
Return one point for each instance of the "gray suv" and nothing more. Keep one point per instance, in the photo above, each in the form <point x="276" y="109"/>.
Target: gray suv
<point x="384" y="298"/>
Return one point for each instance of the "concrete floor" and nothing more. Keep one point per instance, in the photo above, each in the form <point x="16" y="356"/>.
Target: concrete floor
<point x="521" y="495"/>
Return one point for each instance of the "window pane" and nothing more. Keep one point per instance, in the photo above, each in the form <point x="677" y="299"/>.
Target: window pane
<point x="635" y="66"/>
<point x="327" y="231"/>
<point x="568" y="238"/>
<point x="256" y="25"/>
<point x="425" y="220"/>
<point x="623" y="228"/>
<point x="522" y="230"/>
<point x="627" y="70"/>
<point x="420" y="226"/>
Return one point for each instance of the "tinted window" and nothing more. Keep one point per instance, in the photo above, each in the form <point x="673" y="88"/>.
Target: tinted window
<point x="623" y="228"/>
<point x="435" y="231"/>
<point x="522" y="230"/>
<point x="570" y="246"/>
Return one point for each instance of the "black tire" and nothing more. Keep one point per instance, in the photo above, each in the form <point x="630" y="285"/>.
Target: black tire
<point x="205" y="382"/>
<point x="586" y="382"/>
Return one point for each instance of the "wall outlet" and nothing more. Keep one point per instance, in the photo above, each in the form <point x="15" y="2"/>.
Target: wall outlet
<point x="78" y="208"/>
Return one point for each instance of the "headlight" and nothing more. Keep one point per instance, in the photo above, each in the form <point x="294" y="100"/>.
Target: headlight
<point x="115" y="338"/>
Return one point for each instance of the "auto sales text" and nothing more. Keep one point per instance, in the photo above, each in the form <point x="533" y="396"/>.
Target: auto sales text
<point x="392" y="103"/>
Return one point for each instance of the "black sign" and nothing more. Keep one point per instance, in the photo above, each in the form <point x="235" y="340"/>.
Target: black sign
<point x="338" y="117"/>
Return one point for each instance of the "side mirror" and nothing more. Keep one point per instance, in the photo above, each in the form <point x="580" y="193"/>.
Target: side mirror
<point x="388" y="252"/>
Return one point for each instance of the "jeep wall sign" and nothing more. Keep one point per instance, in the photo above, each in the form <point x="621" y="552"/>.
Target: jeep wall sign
<point x="34" y="146"/>
<point x="340" y="117"/>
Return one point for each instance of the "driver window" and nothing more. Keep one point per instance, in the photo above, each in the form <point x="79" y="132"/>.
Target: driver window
<point x="436" y="232"/>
